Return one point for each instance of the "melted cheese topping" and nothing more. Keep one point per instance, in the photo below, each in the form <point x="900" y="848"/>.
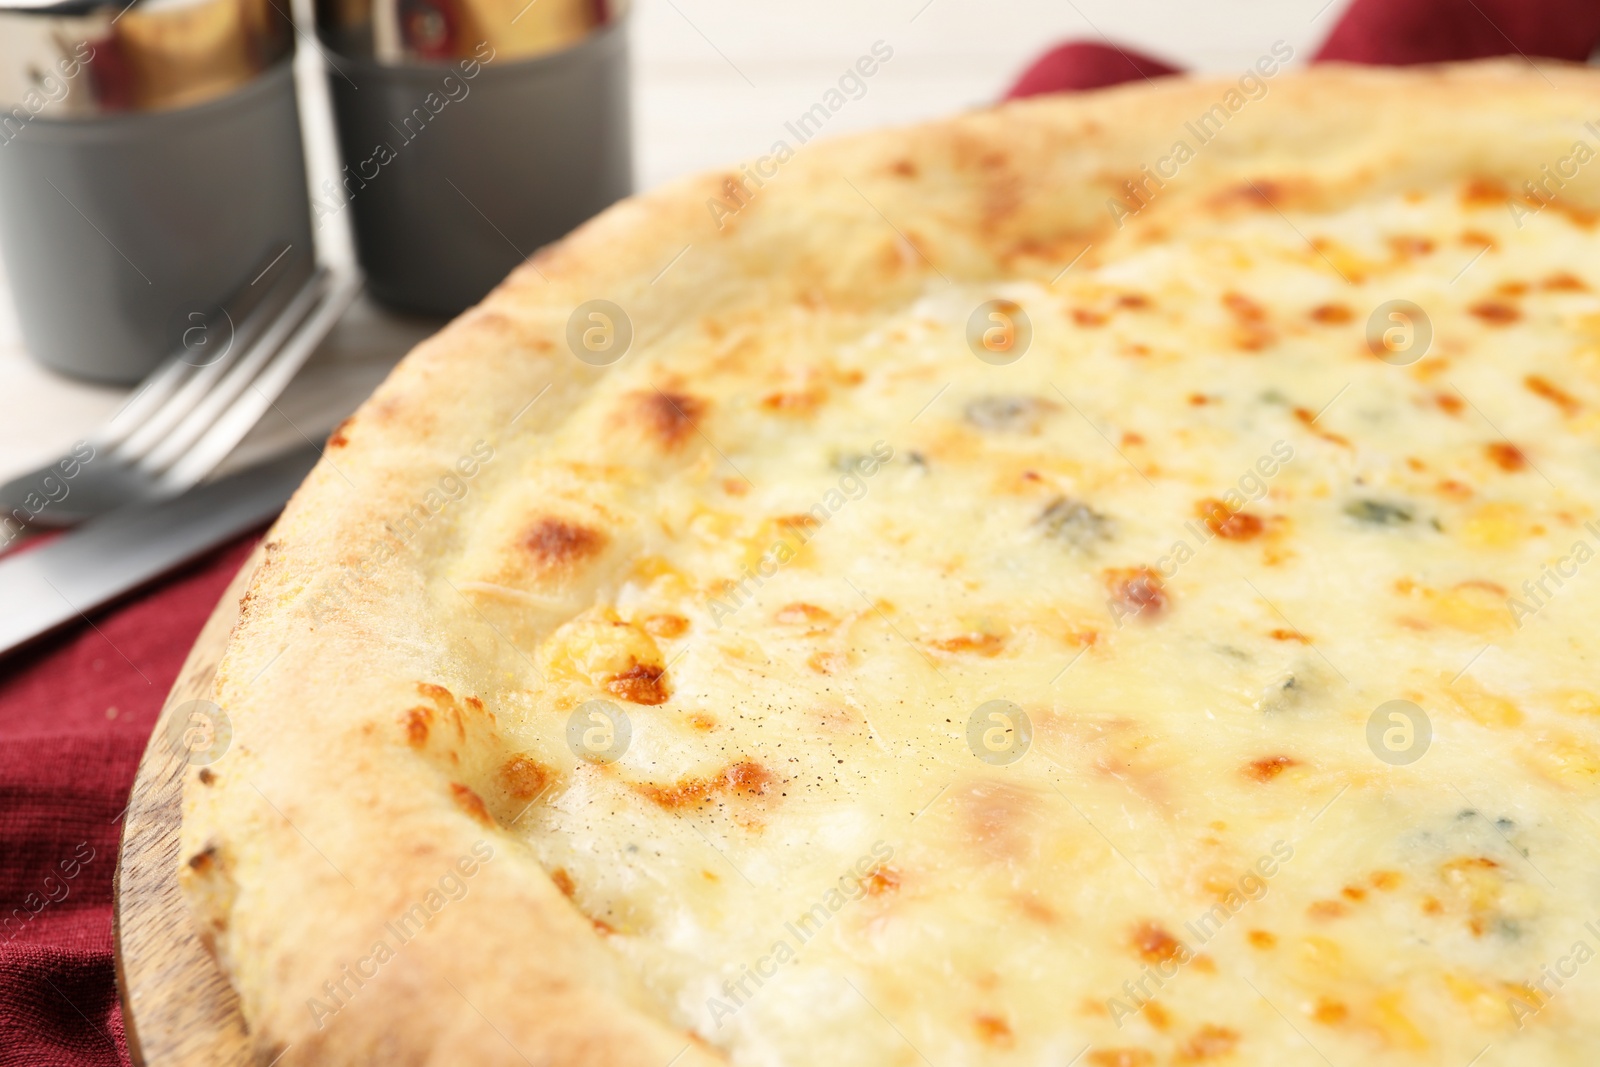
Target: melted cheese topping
<point x="1197" y="535"/>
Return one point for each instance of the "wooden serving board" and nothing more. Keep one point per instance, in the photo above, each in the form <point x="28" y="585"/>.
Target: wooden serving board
<point x="177" y="1008"/>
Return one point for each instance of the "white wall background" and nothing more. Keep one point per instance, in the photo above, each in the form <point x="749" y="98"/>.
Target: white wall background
<point x="695" y="108"/>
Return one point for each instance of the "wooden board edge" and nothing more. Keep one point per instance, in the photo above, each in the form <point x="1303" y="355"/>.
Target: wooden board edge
<point x="178" y="1008"/>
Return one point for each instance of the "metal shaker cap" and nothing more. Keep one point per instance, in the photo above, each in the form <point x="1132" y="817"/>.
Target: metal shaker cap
<point x="88" y="58"/>
<point x="399" y="32"/>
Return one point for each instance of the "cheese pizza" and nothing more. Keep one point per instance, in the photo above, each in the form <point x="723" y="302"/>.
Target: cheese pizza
<point x="1009" y="591"/>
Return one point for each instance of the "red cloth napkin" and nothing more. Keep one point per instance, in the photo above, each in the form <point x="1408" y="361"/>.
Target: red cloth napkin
<point x="75" y="711"/>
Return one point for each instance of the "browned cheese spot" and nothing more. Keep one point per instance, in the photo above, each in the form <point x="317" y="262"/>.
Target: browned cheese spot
<point x="1269" y="767"/>
<point x="416" y="722"/>
<point x="1485" y="192"/>
<point x="204" y="861"/>
<point x="337" y="439"/>
<point x="978" y="644"/>
<point x="1409" y="246"/>
<point x="1564" y="282"/>
<point x="1308" y="418"/>
<point x="665" y="625"/>
<point x="563" y="881"/>
<point x="446" y="705"/>
<point x="794" y="401"/>
<point x="557" y="544"/>
<point x="1138" y="590"/>
<point x="1226" y="524"/>
<point x="802" y="614"/>
<point x="1154" y="944"/>
<point x="680" y="794"/>
<point x="994" y="1031"/>
<point x="1332" y="314"/>
<point x="1251" y="332"/>
<point x="745" y="777"/>
<point x="1260" y="193"/>
<point x="470" y="802"/>
<point x="1207" y="1043"/>
<point x="641" y="683"/>
<point x="748" y="777"/>
<point x="881" y="880"/>
<point x="1243" y="308"/>
<point x="1547" y="390"/>
<point x="1495" y="312"/>
<point x="669" y="417"/>
<point x="524" y="777"/>
<point x="1506" y="456"/>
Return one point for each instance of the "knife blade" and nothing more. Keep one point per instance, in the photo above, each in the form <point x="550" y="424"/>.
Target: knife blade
<point x="50" y="586"/>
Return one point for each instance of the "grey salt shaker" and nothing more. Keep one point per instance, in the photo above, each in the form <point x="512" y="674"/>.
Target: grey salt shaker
<point x="471" y="133"/>
<point x="150" y="163"/>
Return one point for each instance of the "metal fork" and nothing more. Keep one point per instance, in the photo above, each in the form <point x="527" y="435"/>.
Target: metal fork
<point x="189" y="413"/>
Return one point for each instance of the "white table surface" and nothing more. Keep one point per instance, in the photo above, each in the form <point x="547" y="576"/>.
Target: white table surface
<point x="713" y="81"/>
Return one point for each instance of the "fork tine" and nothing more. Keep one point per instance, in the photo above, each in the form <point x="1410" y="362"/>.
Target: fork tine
<point x="159" y="423"/>
<point x="169" y="379"/>
<point x="137" y="408"/>
<point x="232" y="424"/>
<point x="227" y="388"/>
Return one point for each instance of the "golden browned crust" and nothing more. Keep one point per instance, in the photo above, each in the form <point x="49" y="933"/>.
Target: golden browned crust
<point x="366" y="774"/>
